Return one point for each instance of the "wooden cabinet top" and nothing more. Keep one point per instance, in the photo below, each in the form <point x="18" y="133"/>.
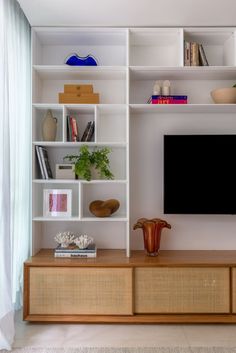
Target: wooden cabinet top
<point x="117" y="258"/>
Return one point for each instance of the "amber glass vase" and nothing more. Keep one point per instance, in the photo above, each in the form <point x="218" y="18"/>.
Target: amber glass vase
<point x="152" y="233"/>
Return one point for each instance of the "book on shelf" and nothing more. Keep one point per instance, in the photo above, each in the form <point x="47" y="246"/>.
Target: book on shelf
<point x="172" y="99"/>
<point x="194" y="54"/>
<point x="72" y="129"/>
<point x="202" y="56"/>
<point x="186" y="53"/>
<point x="43" y="161"/>
<point x="40" y="163"/>
<point x="88" y="132"/>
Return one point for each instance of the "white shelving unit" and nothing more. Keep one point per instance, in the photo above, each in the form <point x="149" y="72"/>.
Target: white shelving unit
<point x="130" y="60"/>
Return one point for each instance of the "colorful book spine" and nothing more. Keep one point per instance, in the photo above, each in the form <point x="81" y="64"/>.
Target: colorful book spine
<point x="170" y="99"/>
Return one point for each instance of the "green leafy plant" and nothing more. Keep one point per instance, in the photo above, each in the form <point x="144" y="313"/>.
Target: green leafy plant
<point x="234" y="85"/>
<point x="86" y="160"/>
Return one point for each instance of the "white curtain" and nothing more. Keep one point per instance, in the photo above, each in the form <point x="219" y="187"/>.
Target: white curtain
<point x="15" y="156"/>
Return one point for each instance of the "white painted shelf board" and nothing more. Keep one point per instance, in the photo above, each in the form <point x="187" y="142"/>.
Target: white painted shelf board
<point x="52" y="106"/>
<point x="77" y="181"/>
<point x="89" y="107"/>
<point x="65" y="72"/>
<point x="182" y="108"/>
<point x="56" y="219"/>
<point x="183" y="73"/>
<point x="77" y="144"/>
<point x="104" y="219"/>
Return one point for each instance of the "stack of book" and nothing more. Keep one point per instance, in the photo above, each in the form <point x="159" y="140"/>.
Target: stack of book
<point x="194" y="54"/>
<point x="43" y="162"/>
<point x="75" y="252"/>
<point x="176" y="99"/>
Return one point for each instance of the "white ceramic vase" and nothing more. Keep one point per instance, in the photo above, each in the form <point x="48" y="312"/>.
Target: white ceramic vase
<point x="49" y="127"/>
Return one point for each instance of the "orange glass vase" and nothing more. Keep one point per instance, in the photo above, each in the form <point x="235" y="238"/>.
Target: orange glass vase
<point x="151" y="233"/>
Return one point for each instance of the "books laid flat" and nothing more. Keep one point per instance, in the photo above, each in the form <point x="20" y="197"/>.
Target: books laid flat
<point x="173" y="99"/>
<point x="75" y="255"/>
<point x="74" y="251"/>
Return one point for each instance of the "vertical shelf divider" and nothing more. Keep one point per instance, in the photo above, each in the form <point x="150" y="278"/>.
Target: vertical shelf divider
<point x="95" y="123"/>
<point x="64" y="123"/>
<point x="181" y="46"/>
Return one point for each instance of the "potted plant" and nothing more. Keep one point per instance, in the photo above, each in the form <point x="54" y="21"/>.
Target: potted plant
<point x="88" y="160"/>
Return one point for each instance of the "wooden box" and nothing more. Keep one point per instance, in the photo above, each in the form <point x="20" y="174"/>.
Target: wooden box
<point x="83" y="98"/>
<point x="78" y="89"/>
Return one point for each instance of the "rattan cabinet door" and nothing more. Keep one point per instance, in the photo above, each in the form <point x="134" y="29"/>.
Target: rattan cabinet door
<point x="234" y="289"/>
<point x="73" y="290"/>
<point x="181" y="290"/>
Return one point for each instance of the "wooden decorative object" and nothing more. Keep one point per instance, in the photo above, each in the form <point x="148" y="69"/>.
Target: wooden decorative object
<point x="104" y="208"/>
<point x="151" y="233"/>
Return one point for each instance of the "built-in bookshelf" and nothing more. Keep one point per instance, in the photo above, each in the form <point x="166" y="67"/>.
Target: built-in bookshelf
<point x="130" y="61"/>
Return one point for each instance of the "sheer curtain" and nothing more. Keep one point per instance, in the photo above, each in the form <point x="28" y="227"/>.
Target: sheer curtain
<point x="15" y="169"/>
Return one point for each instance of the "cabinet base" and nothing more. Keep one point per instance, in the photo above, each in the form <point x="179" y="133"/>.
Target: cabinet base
<point x="135" y="319"/>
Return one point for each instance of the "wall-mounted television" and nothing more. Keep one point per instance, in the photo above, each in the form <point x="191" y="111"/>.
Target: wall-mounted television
<point x="200" y="174"/>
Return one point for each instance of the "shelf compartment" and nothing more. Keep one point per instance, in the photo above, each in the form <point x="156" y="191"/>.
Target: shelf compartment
<point x="109" y="82"/>
<point x="106" y="235"/>
<point x="65" y="72"/>
<point x="39" y="114"/>
<point x="38" y="197"/>
<point x="197" y="90"/>
<point x="111" y="124"/>
<point x="218" y="44"/>
<point x="57" y="152"/>
<point x="104" y="191"/>
<point x="83" y="115"/>
<point x="156" y="46"/>
<point x="182" y="73"/>
<point x="53" y="45"/>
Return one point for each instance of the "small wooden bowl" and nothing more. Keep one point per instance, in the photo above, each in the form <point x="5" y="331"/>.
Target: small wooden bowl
<point x="104" y="208"/>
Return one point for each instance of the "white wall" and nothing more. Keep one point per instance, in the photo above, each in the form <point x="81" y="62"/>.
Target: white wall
<point x="188" y="231"/>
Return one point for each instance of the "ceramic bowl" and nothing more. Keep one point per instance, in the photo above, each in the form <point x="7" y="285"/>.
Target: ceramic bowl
<point x="224" y="95"/>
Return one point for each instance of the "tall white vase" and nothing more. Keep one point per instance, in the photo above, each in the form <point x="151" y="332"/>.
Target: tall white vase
<point x="49" y="127"/>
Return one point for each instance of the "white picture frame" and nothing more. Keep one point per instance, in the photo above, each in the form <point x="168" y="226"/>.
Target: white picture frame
<point x="57" y="202"/>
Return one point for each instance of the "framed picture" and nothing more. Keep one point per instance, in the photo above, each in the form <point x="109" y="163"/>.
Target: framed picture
<point x="57" y="202"/>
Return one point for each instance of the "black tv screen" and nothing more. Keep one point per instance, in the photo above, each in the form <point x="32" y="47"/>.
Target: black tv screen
<point x="200" y="174"/>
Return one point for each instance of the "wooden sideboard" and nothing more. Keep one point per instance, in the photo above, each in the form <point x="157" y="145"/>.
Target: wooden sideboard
<point x="176" y="286"/>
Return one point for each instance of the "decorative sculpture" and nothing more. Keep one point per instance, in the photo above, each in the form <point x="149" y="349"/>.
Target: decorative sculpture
<point x="151" y="233"/>
<point x="65" y="238"/>
<point x="83" y="241"/>
<point x="104" y="208"/>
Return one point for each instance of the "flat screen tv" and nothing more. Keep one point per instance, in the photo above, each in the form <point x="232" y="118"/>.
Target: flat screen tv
<point x="200" y="174"/>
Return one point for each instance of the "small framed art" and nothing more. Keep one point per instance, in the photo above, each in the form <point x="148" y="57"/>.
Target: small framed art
<point x="57" y="202"/>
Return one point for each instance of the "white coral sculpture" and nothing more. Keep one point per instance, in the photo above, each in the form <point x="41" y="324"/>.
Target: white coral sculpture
<point x="65" y="238"/>
<point x="83" y="241"/>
